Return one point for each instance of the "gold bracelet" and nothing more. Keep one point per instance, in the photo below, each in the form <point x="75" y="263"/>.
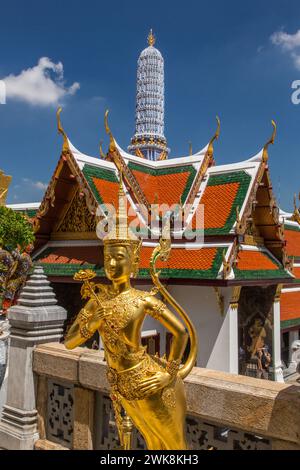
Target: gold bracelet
<point x="84" y="331"/>
<point x="157" y="310"/>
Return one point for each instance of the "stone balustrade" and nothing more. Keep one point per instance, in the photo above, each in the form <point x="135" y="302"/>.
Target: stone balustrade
<point x="225" y="411"/>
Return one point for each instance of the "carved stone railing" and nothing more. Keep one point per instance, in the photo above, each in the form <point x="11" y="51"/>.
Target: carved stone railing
<point x="225" y="411"/>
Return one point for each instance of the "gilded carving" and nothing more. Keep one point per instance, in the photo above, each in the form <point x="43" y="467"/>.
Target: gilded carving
<point x="78" y="218"/>
<point x="236" y="292"/>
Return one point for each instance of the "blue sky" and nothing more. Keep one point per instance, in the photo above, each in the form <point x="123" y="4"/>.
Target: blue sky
<point x="219" y="59"/>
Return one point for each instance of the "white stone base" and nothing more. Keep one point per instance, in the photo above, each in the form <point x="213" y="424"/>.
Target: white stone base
<point x="18" y="429"/>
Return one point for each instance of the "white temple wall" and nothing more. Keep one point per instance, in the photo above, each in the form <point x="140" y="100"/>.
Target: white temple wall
<point x="218" y="335"/>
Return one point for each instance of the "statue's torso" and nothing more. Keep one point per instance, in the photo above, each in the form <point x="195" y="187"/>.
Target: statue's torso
<point x="120" y="330"/>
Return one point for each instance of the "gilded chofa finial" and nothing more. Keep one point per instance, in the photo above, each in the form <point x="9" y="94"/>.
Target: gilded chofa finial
<point x="60" y="129"/>
<point x="296" y="213"/>
<point x="210" y="150"/>
<point x="190" y="148"/>
<point x="151" y="38"/>
<point x="265" y="155"/>
<point x="226" y="265"/>
<point x="112" y="144"/>
<point x="102" y="154"/>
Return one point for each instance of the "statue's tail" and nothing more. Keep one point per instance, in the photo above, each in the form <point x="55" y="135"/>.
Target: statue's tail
<point x="162" y="252"/>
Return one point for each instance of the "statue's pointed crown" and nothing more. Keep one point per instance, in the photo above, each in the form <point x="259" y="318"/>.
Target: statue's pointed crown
<point x="119" y="232"/>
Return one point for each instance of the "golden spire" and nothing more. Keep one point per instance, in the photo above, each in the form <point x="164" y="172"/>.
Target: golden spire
<point x="151" y="38"/>
<point x="122" y="219"/>
<point x="119" y="232"/>
<point x="210" y="150"/>
<point x="60" y="129"/>
<point x="265" y="155"/>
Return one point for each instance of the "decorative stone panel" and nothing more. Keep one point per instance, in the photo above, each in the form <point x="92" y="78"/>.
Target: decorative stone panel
<point x="60" y="421"/>
<point x="201" y="435"/>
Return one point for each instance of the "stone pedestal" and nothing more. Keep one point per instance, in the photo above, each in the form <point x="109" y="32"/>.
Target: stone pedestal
<point x="36" y="319"/>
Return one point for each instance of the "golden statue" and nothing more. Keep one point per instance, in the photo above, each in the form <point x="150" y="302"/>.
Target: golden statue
<point x="148" y="388"/>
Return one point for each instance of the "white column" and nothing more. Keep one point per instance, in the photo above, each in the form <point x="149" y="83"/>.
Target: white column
<point x="278" y="374"/>
<point x="233" y="340"/>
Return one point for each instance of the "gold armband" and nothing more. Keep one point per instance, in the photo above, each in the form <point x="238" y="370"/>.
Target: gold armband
<point x="83" y="319"/>
<point x="157" y="310"/>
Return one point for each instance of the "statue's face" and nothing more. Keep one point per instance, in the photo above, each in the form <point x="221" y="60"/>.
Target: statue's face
<point x="117" y="263"/>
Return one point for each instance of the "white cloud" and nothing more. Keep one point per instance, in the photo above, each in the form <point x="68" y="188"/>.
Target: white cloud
<point x="289" y="43"/>
<point x="35" y="184"/>
<point x="41" y="85"/>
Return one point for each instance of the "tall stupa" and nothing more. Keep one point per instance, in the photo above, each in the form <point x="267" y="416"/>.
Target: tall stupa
<point x="149" y="141"/>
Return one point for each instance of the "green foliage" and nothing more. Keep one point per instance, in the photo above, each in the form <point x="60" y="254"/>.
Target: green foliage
<point x="14" y="229"/>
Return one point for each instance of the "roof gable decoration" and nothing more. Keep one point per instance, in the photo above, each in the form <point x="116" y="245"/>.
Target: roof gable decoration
<point x="260" y="218"/>
<point x="77" y="217"/>
<point x="74" y="174"/>
<point x="262" y="159"/>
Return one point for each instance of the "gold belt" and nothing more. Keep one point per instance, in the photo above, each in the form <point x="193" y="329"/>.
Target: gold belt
<point x="112" y="373"/>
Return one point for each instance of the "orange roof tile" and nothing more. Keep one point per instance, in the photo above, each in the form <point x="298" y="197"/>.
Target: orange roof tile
<point x="254" y="260"/>
<point x="217" y="201"/>
<point x="289" y="306"/>
<point x="71" y="255"/>
<point x="181" y="258"/>
<point x="60" y="260"/>
<point x="296" y="272"/>
<point x="168" y="188"/>
<point x="107" y="190"/>
<point x="293" y="242"/>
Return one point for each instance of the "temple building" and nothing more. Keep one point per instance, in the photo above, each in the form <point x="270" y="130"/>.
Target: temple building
<point x="226" y="272"/>
<point x="290" y="294"/>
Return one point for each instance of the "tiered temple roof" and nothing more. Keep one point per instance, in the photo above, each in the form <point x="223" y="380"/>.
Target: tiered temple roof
<point x="243" y="237"/>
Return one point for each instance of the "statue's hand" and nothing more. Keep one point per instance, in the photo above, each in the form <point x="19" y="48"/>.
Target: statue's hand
<point x="86" y="290"/>
<point x="155" y="383"/>
<point x="98" y="316"/>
